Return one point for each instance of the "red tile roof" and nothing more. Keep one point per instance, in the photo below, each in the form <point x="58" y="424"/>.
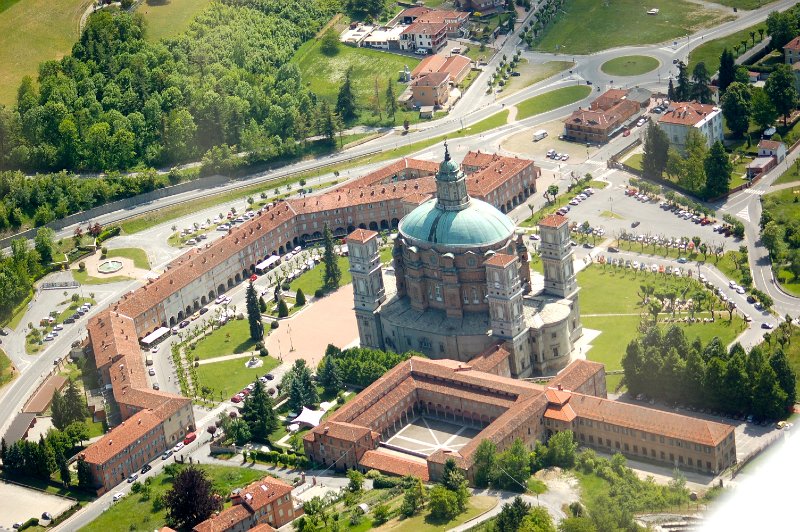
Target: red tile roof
<point x="686" y="113"/>
<point x="434" y="79"/>
<point x="384" y="174"/>
<point x="554" y="220"/>
<point x="650" y="420"/>
<point x="442" y="16"/>
<point x="563" y="413"/>
<point x="793" y="45"/>
<point x="490" y="359"/>
<point x="361" y="235"/>
<point x="226" y="520"/>
<point x="121" y="437"/>
<point x="415" y="11"/>
<point x="556" y="397"/>
<point x="261" y="493"/>
<point x="576" y="374"/>
<point x="500" y="259"/>
<point x="769" y="144"/>
<point x="393" y="464"/>
<point x="422" y="28"/>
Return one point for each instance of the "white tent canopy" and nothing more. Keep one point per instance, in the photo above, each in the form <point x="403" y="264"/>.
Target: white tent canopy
<point x="309" y="417"/>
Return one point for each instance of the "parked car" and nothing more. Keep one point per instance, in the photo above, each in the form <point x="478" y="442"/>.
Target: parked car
<point x="235" y="399"/>
<point x="184" y="323"/>
<point x="166" y="454"/>
<point x="190" y="438"/>
<point x="178" y="447"/>
<point x="133" y="477"/>
<point x="151" y="372"/>
<point x="117" y="496"/>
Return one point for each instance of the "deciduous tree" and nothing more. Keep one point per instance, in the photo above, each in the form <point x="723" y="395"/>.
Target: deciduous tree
<point x="781" y="91"/>
<point x="191" y="499"/>
<point x="736" y="108"/>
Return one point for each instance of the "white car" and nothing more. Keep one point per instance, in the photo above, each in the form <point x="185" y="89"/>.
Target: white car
<point x="565" y="157"/>
<point x="636" y="265"/>
<point x="154" y="350"/>
<point x="118" y="496"/>
<point x="178" y="446"/>
<point x="740" y="290"/>
<point x="151" y="372"/>
<point x="731" y="284"/>
<point x="58" y="328"/>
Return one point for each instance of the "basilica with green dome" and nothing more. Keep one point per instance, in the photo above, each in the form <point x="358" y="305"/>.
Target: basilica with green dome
<point x="461" y="284"/>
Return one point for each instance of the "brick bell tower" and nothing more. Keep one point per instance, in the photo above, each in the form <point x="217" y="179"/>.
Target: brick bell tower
<point x="368" y="289"/>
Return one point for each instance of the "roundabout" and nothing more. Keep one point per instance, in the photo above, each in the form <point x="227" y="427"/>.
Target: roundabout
<point x="630" y="65"/>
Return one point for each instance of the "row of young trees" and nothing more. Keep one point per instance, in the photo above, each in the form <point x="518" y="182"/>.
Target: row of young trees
<point x="665" y="366"/>
<point x="119" y="100"/>
<point x="703" y="171"/>
<point x="780" y="231"/>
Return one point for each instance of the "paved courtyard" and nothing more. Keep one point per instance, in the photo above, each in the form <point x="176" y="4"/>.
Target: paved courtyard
<point x="426" y="435"/>
<point x="18" y="504"/>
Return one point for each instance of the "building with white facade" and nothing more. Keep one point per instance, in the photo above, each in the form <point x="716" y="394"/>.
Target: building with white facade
<point x="683" y="116"/>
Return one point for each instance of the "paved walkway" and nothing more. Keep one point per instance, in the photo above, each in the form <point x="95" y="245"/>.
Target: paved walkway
<point x="228" y="357"/>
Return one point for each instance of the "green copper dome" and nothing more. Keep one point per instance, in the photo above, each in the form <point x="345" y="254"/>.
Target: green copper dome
<point x="478" y="224"/>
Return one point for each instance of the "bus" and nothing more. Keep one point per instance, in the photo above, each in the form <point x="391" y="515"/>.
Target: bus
<point x="154" y="338"/>
<point x="267" y="265"/>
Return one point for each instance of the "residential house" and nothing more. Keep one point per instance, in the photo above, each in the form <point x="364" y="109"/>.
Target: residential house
<point x="681" y="117"/>
<point x="431" y="90"/>
<point x="484" y="7"/>
<point x="791" y="51"/>
<point x="770" y="154"/>
<point x="456" y="66"/>
<point x="266" y="503"/>
<point x="431" y="37"/>
<point x="456" y="21"/>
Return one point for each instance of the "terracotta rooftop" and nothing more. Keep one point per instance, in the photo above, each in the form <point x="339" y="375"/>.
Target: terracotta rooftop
<point x="793" y="45"/>
<point x="434" y="79"/>
<point x="650" y="420"/>
<point x="442" y="15"/>
<point x="490" y="359"/>
<point x="422" y="28"/>
<point x="554" y="220"/>
<point x="387" y="173"/>
<point x="121" y="437"/>
<point x="44" y="395"/>
<point x="563" y="413"/>
<point x="686" y="113"/>
<point x="226" y="520"/>
<point x="261" y="493"/>
<point x="361" y="235"/>
<point x="390" y="463"/>
<point x="500" y="259"/>
<point x="769" y="144"/>
<point x="415" y="11"/>
<point x="556" y="397"/>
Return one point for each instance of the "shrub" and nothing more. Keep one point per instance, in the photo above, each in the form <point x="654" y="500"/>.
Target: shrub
<point x="275" y="324"/>
<point x="300" y="298"/>
<point x="262" y="351"/>
<point x="33" y="521"/>
<point x="81" y="266"/>
<point x="286" y="286"/>
<point x="384" y="482"/>
<point x="136" y="487"/>
<point x="283" y="310"/>
<point x="319" y="292"/>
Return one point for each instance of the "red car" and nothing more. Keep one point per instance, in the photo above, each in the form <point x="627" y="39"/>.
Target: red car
<point x="235" y="399"/>
<point x="246" y="391"/>
<point x="253" y="278"/>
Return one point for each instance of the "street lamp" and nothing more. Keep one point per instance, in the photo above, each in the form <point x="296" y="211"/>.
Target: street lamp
<point x="611" y="201"/>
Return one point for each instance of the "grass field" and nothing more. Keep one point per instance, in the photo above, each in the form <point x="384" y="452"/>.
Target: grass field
<point x="709" y="52"/>
<point x="744" y="4"/>
<point x="83" y="277"/>
<point x="138" y="256"/>
<point x="630" y="65"/>
<point x="49" y="29"/>
<point x="727" y="265"/>
<point x="477" y="505"/>
<point x="789" y="176"/>
<point x="6" y="369"/>
<point x="635" y="161"/>
<point x="624" y="22"/>
<point x="531" y="73"/>
<point x="311" y="280"/>
<point x="609" y="303"/>
<point x="135" y="513"/>
<point x="324" y="75"/>
<point x="231" y="338"/>
<point x="552" y="100"/>
<point x="230" y="376"/>
<point x="168" y="18"/>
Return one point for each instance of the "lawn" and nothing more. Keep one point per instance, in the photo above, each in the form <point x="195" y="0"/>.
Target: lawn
<point x="138" y="256"/>
<point x="727" y="264"/>
<point x="478" y="504"/>
<point x="789" y="282"/>
<point x="789" y="176"/>
<point x="72" y="307"/>
<point x="792" y="350"/>
<point x="324" y="75"/>
<point x="531" y="73"/>
<point x="624" y="22"/>
<point x="635" y="161"/>
<point x="168" y="18"/>
<point x="311" y="280"/>
<point x="230" y="376"/>
<point x="83" y="277"/>
<point x="744" y="4"/>
<point x="231" y="338"/>
<point x="134" y="513"/>
<point x="552" y="100"/>
<point x="630" y="65"/>
<point x="6" y="369"/>
<point x="33" y="31"/>
<point x="609" y="303"/>
<point x="709" y="52"/>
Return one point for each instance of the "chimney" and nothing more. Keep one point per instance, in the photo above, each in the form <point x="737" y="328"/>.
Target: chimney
<point x="560" y="387"/>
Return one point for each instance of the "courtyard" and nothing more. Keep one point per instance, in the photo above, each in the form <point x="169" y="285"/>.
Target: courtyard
<point x="18" y="504"/>
<point x="426" y="435"/>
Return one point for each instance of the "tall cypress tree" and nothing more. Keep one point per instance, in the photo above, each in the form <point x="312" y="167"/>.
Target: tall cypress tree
<point x="74" y="404"/>
<point x="346" y="100"/>
<point x="259" y="415"/>
<point x="727" y="70"/>
<point x="254" y="314"/>
<point x="684" y="88"/>
<point x="332" y="272"/>
<point x="718" y="171"/>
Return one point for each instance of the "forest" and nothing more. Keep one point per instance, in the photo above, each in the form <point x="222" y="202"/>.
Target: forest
<point x="120" y="102"/>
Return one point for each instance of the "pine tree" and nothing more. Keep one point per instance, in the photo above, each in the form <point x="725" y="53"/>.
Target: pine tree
<point x="328" y="374"/>
<point x="671" y="91"/>
<point x="254" y="314"/>
<point x="727" y="70"/>
<point x="391" y="99"/>
<point x="259" y="414"/>
<point x="683" y="90"/>
<point x="656" y="146"/>
<point x="700" y="81"/>
<point x="283" y="310"/>
<point x="346" y="100"/>
<point x="785" y="375"/>
<point x="84" y="474"/>
<point x="64" y="473"/>
<point x="332" y="274"/>
<point x="3" y="449"/>
<point x="58" y="415"/>
<point x="299" y="298"/>
<point x="75" y="408"/>
<point x="718" y="171"/>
